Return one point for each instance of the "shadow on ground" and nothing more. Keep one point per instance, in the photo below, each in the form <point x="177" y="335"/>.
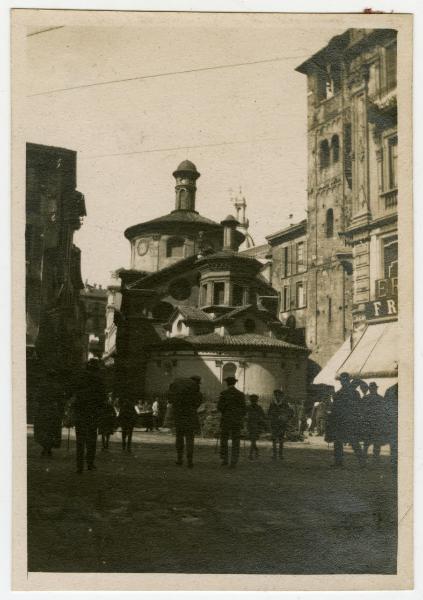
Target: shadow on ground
<point x="142" y="513"/>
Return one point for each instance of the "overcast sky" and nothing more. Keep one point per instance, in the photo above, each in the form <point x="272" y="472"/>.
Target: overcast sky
<point x="242" y="126"/>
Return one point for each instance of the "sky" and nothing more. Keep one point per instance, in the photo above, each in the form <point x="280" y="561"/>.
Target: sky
<point x="242" y="125"/>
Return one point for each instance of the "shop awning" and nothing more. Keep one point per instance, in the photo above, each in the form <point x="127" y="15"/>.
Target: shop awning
<point x="376" y="353"/>
<point x="374" y="358"/>
<point x="327" y="375"/>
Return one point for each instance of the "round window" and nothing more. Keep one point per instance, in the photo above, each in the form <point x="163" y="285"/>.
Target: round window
<point x="180" y="289"/>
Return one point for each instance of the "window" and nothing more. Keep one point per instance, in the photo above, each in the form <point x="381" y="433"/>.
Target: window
<point x="219" y="293"/>
<point x="204" y="299"/>
<point x="335" y="73"/>
<point x="237" y="295"/>
<point x="324" y="154"/>
<point x="348" y="154"/>
<point x="329" y="223"/>
<point x="390" y="257"/>
<point x="285" y="262"/>
<point x="335" y="148"/>
<point x="300" y="256"/>
<point x="175" y="247"/>
<point x="300" y="295"/>
<point x="392" y="162"/>
<point x="321" y="85"/>
<point x="391" y="66"/>
<point x="329" y="310"/>
<point x="229" y="370"/>
<point x="285" y="298"/>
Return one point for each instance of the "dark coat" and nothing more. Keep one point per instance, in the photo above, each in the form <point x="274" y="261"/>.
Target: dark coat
<point x="107" y="423"/>
<point x="185" y="398"/>
<point x="391" y="412"/>
<point x="346" y="414"/>
<point x="256" y="420"/>
<point x="90" y="400"/>
<point x="48" y="418"/>
<point x="279" y="416"/>
<point x="232" y="407"/>
<point x="127" y="415"/>
<point x="373" y="417"/>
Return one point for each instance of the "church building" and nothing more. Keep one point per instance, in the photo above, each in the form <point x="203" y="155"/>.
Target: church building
<point x="191" y="303"/>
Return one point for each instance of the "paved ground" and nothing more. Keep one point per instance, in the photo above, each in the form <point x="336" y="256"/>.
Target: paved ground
<point x="142" y="513"/>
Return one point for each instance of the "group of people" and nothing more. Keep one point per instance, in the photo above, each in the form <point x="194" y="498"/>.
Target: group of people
<point x="185" y="398"/>
<point x="361" y="420"/>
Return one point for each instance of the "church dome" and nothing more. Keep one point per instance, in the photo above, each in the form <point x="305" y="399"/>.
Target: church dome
<point x="187" y="165"/>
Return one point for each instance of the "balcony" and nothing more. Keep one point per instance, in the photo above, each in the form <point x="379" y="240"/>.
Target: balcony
<point x="389" y="199"/>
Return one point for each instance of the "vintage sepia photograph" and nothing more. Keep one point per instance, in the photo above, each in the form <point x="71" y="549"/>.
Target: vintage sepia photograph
<point x="214" y="257"/>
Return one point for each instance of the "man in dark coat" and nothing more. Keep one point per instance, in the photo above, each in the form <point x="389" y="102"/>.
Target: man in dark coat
<point x="48" y="424"/>
<point x="345" y="418"/>
<point x="232" y="407"/>
<point x="127" y="420"/>
<point x="391" y="418"/>
<point x="374" y="421"/>
<point x="185" y="398"/>
<point x="279" y="414"/>
<point x="88" y="406"/>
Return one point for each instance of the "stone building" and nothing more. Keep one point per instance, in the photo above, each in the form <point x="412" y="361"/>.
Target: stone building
<point x="54" y="314"/>
<point x="94" y="300"/>
<point x="352" y="218"/>
<point x="191" y="303"/>
<point x="289" y="274"/>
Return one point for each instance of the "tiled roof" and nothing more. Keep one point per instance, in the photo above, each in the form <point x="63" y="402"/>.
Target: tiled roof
<point x="191" y="313"/>
<point x="243" y="340"/>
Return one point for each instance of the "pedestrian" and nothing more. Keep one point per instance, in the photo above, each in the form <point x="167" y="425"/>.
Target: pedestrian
<point x="156" y="412"/>
<point x="107" y="423"/>
<point x="146" y="415"/>
<point x="362" y="388"/>
<point x="256" y="424"/>
<point x="185" y="398"/>
<point x="391" y="420"/>
<point x="279" y="415"/>
<point x="232" y="408"/>
<point x="374" y="421"/>
<point x="127" y="421"/>
<point x="87" y="408"/>
<point x="345" y="416"/>
<point x="47" y="422"/>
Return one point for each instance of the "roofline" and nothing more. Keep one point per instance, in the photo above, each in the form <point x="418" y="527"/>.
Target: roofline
<point x="297" y="229"/>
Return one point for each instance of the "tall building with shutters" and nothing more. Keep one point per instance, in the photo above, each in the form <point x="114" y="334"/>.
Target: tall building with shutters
<point x="352" y="204"/>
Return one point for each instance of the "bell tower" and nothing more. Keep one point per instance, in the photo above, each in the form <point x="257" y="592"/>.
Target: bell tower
<point x="186" y="176"/>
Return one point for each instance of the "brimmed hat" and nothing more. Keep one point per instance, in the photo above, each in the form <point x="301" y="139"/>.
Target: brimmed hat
<point x="230" y="380"/>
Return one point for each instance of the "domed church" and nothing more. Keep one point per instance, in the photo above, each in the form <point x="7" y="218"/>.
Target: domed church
<point x="190" y="303"/>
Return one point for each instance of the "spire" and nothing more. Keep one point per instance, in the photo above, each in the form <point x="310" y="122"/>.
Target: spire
<point x="240" y="205"/>
<point x="186" y="176"/>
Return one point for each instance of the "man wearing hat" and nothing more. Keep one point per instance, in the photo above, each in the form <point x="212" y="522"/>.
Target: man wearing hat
<point x="185" y="398"/>
<point x="345" y="417"/>
<point x="374" y="417"/>
<point x="88" y="406"/>
<point x="232" y="407"/>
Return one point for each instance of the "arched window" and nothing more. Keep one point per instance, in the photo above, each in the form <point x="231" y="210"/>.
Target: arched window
<point x="329" y="223"/>
<point x="175" y="247"/>
<point x="324" y="154"/>
<point x="335" y="148"/>
<point x="229" y="370"/>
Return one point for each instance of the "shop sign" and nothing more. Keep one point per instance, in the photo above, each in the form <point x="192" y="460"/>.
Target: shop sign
<point x="383" y="307"/>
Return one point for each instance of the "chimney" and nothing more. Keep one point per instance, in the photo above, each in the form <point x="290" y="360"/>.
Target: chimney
<point x="229" y="227"/>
